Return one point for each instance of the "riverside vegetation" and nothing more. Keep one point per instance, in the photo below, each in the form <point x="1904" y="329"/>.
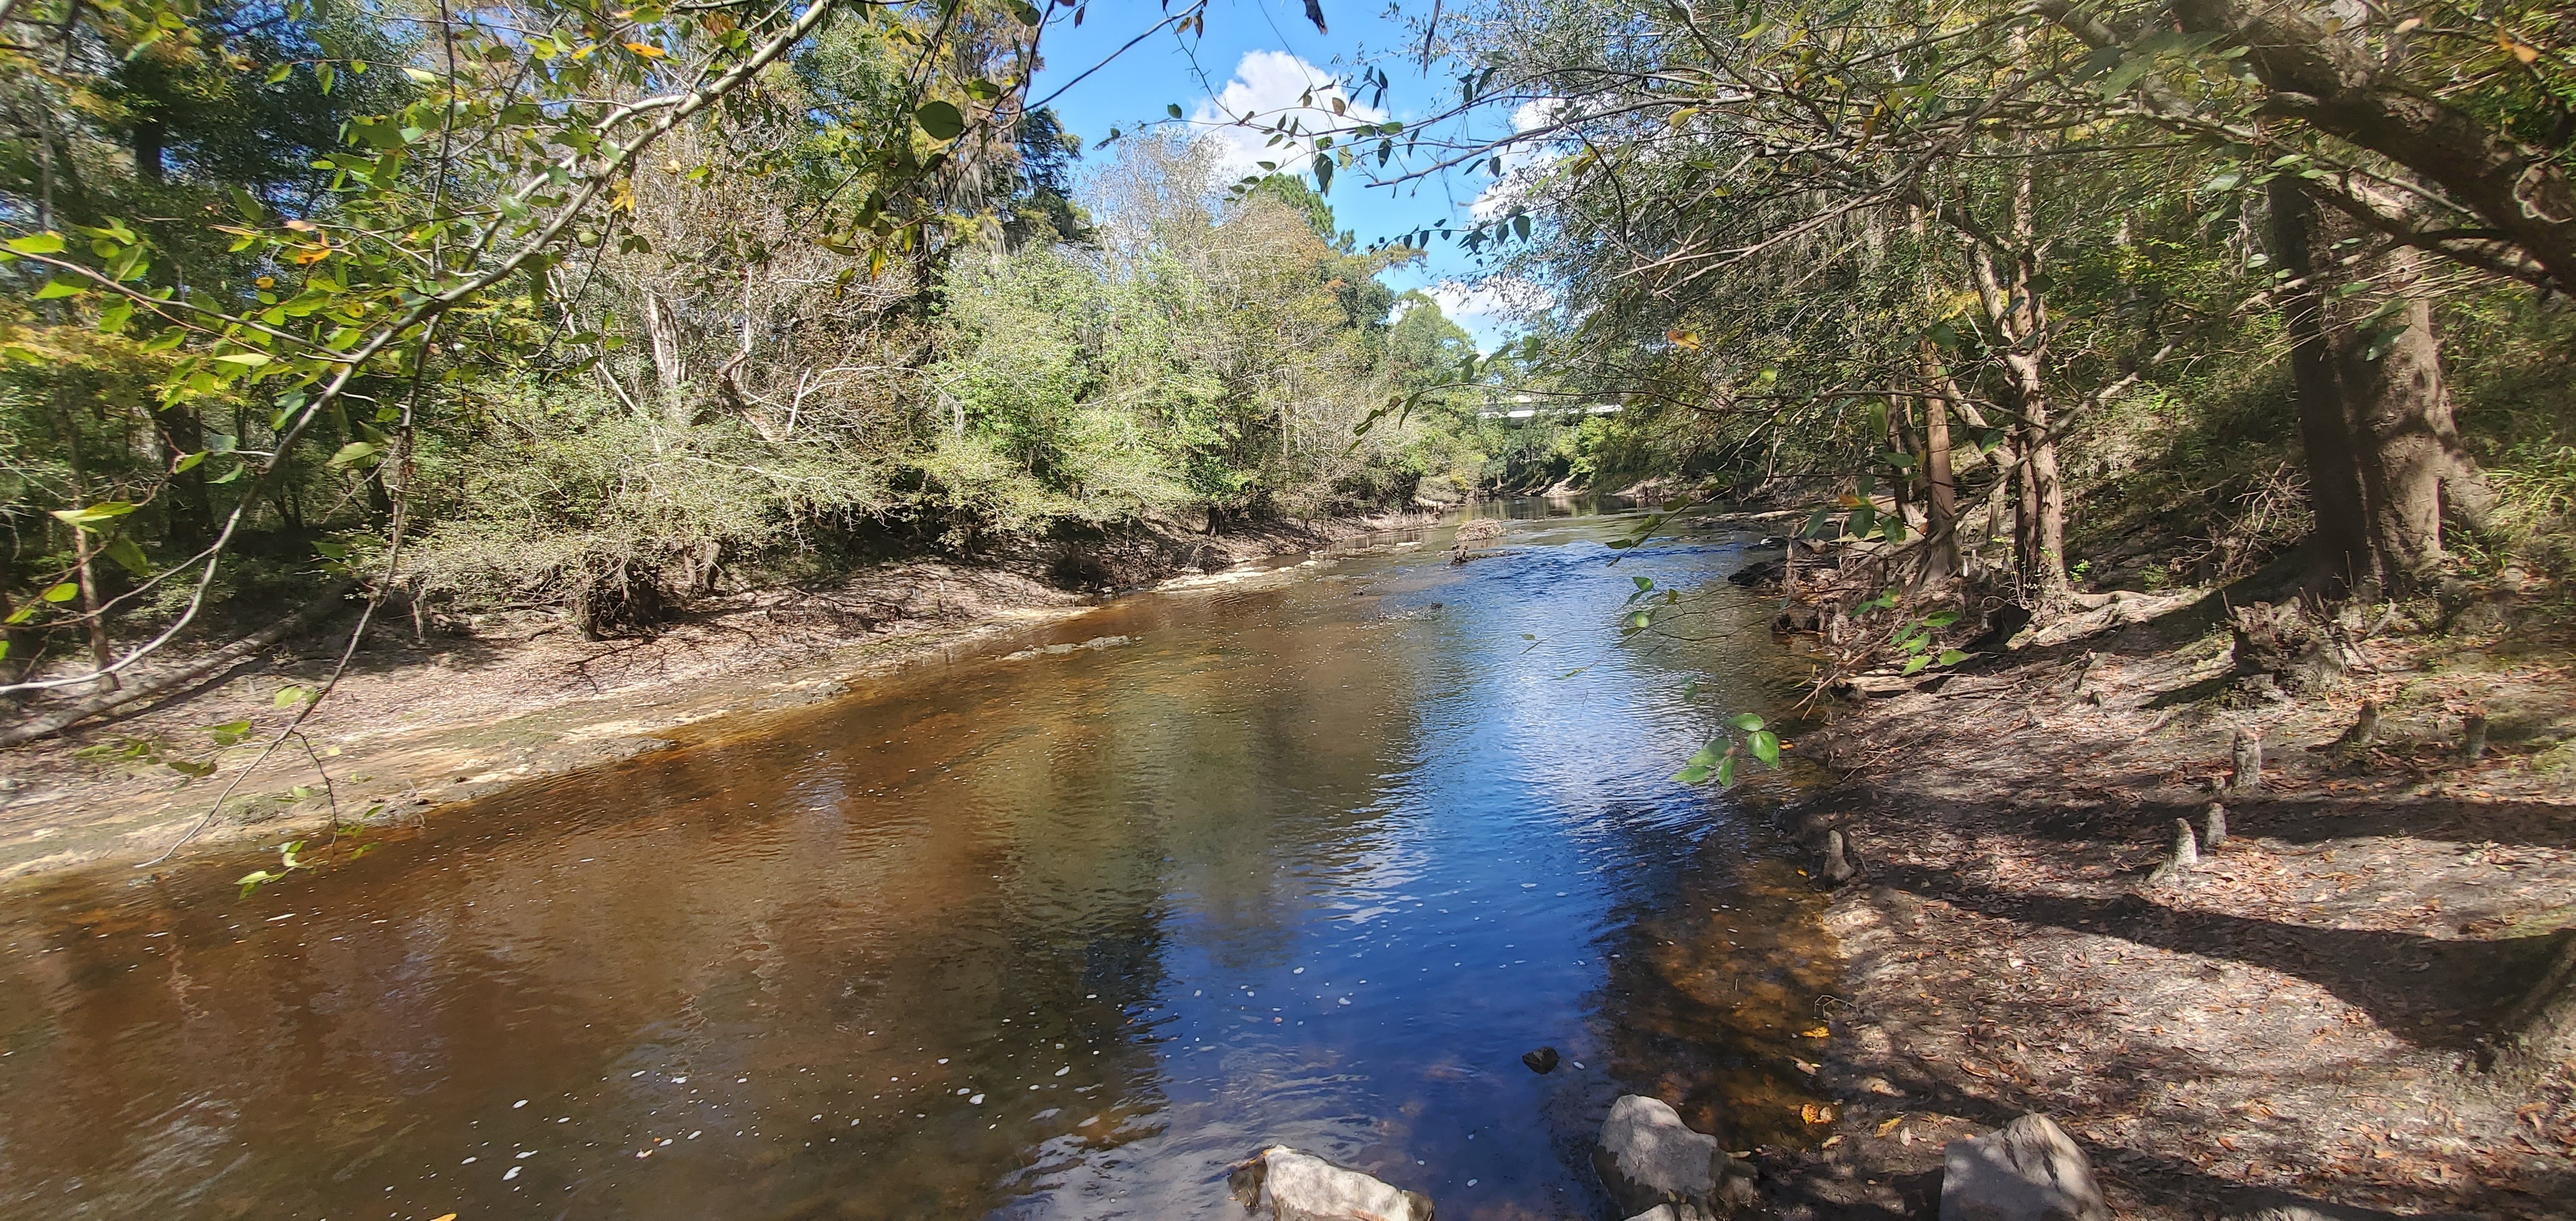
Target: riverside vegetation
<point x="2214" y="354"/>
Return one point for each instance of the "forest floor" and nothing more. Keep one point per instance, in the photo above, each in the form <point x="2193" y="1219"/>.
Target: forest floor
<point x="2307" y="1017"/>
<point x="471" y="707"/>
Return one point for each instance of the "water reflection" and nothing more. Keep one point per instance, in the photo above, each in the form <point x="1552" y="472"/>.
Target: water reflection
<point x="1313" y="861"/>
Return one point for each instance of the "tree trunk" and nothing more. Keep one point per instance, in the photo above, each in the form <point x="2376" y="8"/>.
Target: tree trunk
<point x="2374" y="409"/>
<point x="149" y="136"/>
<point x="662" y="333"/>
<point x="191" y="515"/>
<point x="101" y="649"/>
<point x="1940" y="485"/>
<point x="2325" y="432"/>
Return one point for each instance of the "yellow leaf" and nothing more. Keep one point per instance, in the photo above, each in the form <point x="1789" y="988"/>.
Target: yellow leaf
<point x="1688" y="341"/>
<point x="1820" y="1032"/>
<point x="1815" y="1114"/>
<point x="448" y="1217"/>
<point x="1890" y="1125"/>
<point x="645" y="49"/>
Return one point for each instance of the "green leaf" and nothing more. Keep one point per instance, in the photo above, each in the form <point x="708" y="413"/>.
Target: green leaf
<point x="1726" y="771"/>
<point x="248" y="360"/>
<point x="1915" y="666"/>
<point x="55" y="290"/>
<point x="1941" y="618"/>
<point x="114" y="315"/>
<point x="1693" y="774"/>
<point x="1951" y="657"/>
<point x="353" y="453"/>
<point x="1028" y="14"/>
<point x="289" y="696"/>
<point x="940" y="120"/>
<point x="48" y="242"/>
<point x="229" y="733"/>
<point x="187" y="462"/>
<point x="27" y="612"/>
<point x="1746" y="722"/>
<point x="129" y="557"/>
<point x="189" y="767"/>
<point x="99" y="512"/>
<point x="1765" y="746"/>
<point x="1323" y="174"/>
<point x="1173" y="109"/>
<point x="421" y="76"/>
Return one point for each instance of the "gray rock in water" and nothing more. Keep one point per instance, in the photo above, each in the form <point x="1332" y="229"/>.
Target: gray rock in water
<point x="1660" y="1212"/>
<point x="1295" y="1186"/>
<point x="1648" y="1158"/>
<point x="2027" y="1170"/>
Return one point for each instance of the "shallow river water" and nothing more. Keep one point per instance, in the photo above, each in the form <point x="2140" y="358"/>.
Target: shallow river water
<point x="1313" y="860"/>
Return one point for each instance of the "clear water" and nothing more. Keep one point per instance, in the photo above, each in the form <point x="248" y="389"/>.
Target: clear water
<point x="1313" y="861"/>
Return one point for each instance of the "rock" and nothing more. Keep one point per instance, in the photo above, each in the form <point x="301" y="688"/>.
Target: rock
<point x="1760" y="572"/>
<point x="1297" y="1186"/>
<point x="1649" y="1157"/>
<point x="1541" y="1061"/>
<point x="1660" y="1212"/>
<point x="2213" y="826"/>
<point x="2027" y="1170"/>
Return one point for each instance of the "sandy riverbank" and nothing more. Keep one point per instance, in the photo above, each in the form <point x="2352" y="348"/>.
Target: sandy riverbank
<point x="502" y="699"/>
<point x="2313" y="1014"/>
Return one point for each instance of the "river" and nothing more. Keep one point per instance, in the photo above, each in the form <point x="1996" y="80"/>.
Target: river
<point x="1312" y="859"/>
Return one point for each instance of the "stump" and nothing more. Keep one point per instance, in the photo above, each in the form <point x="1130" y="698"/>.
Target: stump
<point x="2213" y="826"/>
<point x="2248" y="775"/>
<point x="2473" y="736"/>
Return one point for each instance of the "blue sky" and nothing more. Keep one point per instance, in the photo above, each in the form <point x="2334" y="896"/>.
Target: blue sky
<point x="1263" y="54"/>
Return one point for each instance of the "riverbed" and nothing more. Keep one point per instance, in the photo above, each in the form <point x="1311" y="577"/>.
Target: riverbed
<point x="1307" y="853"/>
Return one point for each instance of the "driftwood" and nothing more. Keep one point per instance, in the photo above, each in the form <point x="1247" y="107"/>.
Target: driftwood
<point x="48" y="722"/>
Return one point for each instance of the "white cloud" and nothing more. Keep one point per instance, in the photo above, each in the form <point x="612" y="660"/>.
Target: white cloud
<point x="1489" y="306"/>
<point x="1520" y="161"/>
<point x="1266" y="91"/>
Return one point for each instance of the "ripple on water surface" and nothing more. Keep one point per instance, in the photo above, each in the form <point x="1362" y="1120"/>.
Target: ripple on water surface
<point x="1313" y="860"/>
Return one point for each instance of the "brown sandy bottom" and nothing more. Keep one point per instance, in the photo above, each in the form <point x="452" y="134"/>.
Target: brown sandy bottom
<point x="2309" y="1016"/>
<point x="447" y="716"/>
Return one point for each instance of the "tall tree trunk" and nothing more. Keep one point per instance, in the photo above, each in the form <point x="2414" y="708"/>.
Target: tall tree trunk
<point x="149" y="136"/>
<point x="2325" y="427"/>
<point x="662" y="331"/>
<point x="192" y="517"/>
<point x="2414" y="466"/>
<point x="101" y="649"/>
<point x="2374" y="409"/>
<point x="1940" y="486"/>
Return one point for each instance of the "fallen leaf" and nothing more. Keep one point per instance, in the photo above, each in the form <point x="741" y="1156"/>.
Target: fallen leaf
<point x="1820" y="1032"/>
<point x="1890" y="1125"/>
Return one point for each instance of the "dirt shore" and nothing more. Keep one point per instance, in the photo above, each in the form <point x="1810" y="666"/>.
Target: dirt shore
<point x="2311" y="1016"/>
<point x="477" y="706"/>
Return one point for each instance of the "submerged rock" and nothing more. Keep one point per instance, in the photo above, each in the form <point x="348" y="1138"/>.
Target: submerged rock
<point x="1649" y="1158"/>
<point x="1541" y="1061"/>
<point x="2027" y="1170"/>
<point x="1295" y="1186"/>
